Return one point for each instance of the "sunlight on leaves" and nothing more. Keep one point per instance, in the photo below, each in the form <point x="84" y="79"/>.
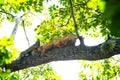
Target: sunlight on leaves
<point x="7" y="51"/>
<point x="97" y="3"/>
<point x="96" y="69"/>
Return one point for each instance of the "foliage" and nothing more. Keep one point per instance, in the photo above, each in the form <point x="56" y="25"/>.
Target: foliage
<point x="7" y="75"/>
<point x="112" y="12"/>
<point x="10" y="9"/>
<point x="48" y="31"/>
<point x="88" y="18"/>
<point x="17" y="5"/>
<point x="42" y="72"/>
<point x="7" y="51"/>
<point x="93" y="19"/>
<point x="108" y="69"/>
<point x="7" y="54"/>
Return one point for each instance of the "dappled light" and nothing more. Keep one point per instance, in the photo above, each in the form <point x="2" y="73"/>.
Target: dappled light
<point x="59" y="39"/>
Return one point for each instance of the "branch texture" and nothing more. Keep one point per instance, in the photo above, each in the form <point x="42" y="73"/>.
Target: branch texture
<point x="101" y="51"/>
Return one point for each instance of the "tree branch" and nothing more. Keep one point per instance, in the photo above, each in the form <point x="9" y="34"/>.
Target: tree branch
<point x="3" y="11"/>
<point x="24" y="14"/>
<point x="17" y="21"/>
<point x="66" y="22"/>
<point x="101" y="51"/>
<point x="75" y="25"/>
<point x="25" y="33"/>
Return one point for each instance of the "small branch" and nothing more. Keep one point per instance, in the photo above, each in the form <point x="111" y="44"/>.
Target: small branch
<point x="66" y="23"/>
<point x="75" y="24"/>
<point x="17" y="20"/>
<point x="80" y="4"/>
<point x="24" y="14"/>
<point x="35" y="15"/>
<point x="7" y="13"/>
<point x="23" y="23"/>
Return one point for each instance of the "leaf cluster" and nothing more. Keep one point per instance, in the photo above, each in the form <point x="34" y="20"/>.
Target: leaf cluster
<point x="7" y="54"/>
<point x="42" y="72"/>
<point x="89" y="19"/>
<point x="50" y="30"/>
<point x="9" y="9"/>
<point x="7" y="50"/>
<point x="107" y="69"/>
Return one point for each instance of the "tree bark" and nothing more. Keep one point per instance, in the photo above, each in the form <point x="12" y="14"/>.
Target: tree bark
<point x="101" y="51"/>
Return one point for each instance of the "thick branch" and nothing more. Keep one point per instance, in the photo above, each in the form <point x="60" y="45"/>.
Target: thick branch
<point x="102" y="51"/>
<point x="17" y="20"/>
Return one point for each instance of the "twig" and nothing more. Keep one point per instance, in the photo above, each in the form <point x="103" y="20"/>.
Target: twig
<point x="80" y="4"/>
<point x="66" y="23"/>
<point x="24" y="14"/>
<point x="23" y="23"/>
<point x="35" y="15"/>
<point x="7" y="13"/>
<point x="75" y="24"/>
<point x="17" y="21"/>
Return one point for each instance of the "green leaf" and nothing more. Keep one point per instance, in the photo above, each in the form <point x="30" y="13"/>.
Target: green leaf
<point x="2" y="1"/>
